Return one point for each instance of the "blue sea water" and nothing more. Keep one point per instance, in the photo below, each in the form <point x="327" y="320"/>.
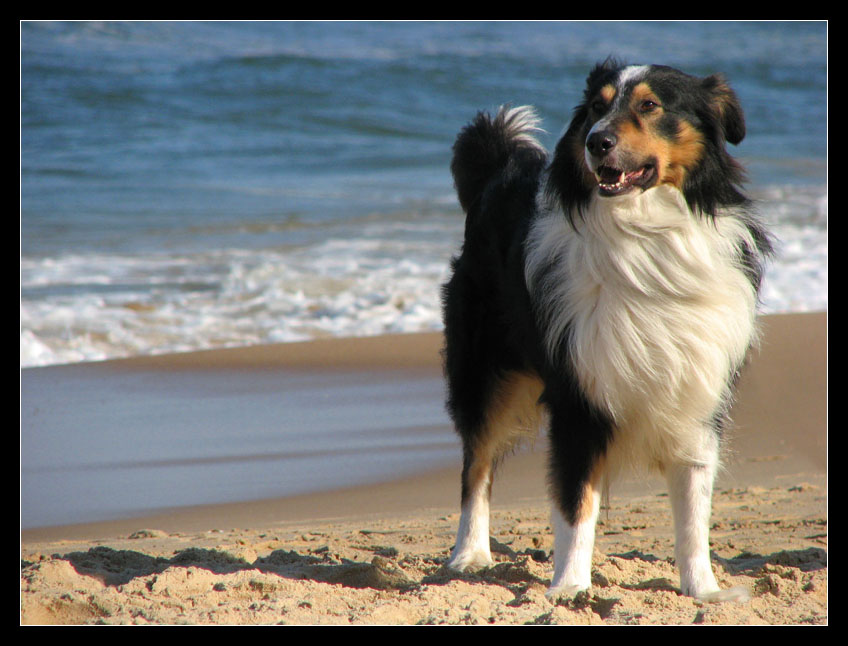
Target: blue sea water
<point x="191" y="185"/>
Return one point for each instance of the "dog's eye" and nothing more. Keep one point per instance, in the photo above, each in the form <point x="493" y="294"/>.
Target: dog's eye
<point x="648" y="106"/>
<point x="598" y="107"/>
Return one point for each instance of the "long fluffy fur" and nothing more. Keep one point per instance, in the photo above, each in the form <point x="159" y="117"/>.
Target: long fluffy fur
<point x="649" y="306"/>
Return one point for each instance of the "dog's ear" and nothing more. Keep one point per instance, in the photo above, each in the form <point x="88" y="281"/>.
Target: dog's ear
<point x="726" y="107"/>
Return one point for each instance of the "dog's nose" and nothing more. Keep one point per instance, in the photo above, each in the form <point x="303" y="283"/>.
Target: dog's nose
<point x="601" y="143"/>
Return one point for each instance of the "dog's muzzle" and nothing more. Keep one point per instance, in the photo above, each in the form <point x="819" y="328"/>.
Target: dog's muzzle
<point x="615" y="172"/>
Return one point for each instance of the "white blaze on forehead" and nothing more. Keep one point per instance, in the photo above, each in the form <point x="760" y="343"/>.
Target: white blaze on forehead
<point x="631" y="74"/>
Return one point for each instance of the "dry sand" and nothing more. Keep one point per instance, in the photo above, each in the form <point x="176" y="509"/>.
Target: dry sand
<point x="374" y="555"/>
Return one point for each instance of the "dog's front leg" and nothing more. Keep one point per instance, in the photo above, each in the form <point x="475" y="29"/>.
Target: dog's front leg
<point x="573" y="547"/>
<point x="690" y="491"/>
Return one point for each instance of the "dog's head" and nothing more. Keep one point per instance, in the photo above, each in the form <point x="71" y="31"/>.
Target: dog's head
<point x="648" y="125"/>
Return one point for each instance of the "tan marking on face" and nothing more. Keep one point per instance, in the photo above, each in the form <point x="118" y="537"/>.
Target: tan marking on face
<point x="683" y="155"/>
<point x="638" y="142"/>
<point x="674" y="159"/>
<point x="608" y="93"/>
<point x="642" y="92"/>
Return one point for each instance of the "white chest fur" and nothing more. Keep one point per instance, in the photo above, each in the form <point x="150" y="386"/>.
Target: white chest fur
<point x="657" y="310"/>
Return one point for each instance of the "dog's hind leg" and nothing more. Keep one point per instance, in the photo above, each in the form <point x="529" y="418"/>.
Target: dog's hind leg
<point x="472" y="550"/>
<point x="512" y="412"/>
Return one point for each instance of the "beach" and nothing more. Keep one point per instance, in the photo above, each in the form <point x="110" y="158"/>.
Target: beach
<point x="233" y="235"/>
<point x="373" y="553"/>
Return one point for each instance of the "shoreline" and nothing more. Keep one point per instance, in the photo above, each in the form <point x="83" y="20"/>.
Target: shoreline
<point x="418" y="354"/>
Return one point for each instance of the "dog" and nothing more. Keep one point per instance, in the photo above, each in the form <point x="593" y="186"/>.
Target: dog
<point x="609" y="294"/>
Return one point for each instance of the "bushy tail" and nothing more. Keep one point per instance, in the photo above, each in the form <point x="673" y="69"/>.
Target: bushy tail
<point x="485" y="147"/>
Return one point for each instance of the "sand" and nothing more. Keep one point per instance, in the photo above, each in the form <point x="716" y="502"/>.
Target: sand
<point x="374" y="555"/>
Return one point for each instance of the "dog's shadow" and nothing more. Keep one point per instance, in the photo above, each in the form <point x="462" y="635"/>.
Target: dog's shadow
<point x="119" y="567"/>
<point x="384" y="571"/>
<point x="806" y="560"/>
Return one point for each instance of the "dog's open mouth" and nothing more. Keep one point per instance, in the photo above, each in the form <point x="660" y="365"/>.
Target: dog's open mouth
<point x="614" y="181"/>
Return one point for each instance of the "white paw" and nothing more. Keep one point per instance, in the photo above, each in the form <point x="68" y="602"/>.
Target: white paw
<point x="565" y="591"/>
<point x="737" y="594"/>
<point x="470" y="560"/>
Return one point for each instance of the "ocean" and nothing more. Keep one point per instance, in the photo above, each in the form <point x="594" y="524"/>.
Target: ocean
<point x="193" y="185"/>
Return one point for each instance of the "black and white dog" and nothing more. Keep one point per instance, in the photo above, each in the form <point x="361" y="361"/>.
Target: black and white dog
<point x="611" y="293"/>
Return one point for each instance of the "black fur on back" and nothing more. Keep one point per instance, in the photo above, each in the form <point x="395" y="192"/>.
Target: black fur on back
<point x="488" y="317"/>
